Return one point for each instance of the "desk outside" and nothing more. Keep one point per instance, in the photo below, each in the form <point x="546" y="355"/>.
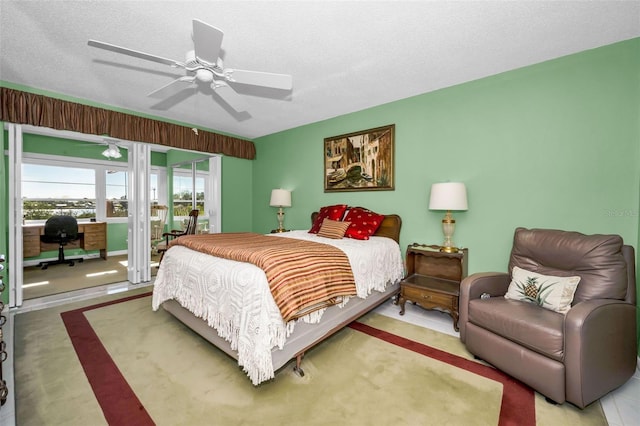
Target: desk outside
<point x="91" y="236"/>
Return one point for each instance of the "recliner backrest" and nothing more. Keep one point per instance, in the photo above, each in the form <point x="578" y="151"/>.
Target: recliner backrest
<point x="597" y="259"/>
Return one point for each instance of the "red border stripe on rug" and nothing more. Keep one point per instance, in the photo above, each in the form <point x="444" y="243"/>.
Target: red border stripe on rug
<point x="119" y="403"/>
<point x="518" y="403"/>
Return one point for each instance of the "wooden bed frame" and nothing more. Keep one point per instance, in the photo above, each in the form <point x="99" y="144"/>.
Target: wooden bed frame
<point x="305" y="336"/>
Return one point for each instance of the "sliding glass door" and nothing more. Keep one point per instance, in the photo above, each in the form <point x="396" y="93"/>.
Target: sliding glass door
<point x="56" y="172"/>
<point x="195" y="186"/>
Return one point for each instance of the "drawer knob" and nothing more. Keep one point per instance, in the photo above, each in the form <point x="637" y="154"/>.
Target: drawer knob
<point x="426" y="296"/>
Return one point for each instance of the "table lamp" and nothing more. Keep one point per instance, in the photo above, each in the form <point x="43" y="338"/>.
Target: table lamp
<point x="448" y="196"/>
<point x="280" y="198"/>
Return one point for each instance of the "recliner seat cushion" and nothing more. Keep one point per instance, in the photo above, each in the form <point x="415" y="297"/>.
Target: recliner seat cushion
<point x="540" y="330"/>
<point x="597" y="259"/>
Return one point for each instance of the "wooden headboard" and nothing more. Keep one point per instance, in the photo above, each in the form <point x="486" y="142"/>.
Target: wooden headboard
<point x="390" y="227"/>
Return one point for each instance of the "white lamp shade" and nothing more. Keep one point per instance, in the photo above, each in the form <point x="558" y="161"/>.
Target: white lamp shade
<point x="448" y="196"/>
<point x="280" y="198"/>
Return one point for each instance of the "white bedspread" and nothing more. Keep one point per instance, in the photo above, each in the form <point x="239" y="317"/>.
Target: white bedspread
<point x="234" y="297"/>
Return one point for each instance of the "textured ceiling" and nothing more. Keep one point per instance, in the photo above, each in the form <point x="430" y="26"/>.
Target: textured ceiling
<point x="344" y="56"/>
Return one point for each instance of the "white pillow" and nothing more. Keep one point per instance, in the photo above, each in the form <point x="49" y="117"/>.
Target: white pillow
<point x="549" y="292"/>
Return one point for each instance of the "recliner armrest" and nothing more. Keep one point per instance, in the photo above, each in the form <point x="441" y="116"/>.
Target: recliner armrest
<point x="600" y="348"/>
<point x="472" y="287"/>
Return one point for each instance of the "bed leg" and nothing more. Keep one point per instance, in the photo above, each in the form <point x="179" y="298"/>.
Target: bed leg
<point x="297" y="369"/>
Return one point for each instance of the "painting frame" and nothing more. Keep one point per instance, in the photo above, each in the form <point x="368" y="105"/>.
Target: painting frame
<point x="360" y="161"/>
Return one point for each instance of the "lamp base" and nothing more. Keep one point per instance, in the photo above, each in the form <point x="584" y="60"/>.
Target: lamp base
<point x="280" y="220"/>
<point x="277" y="231"/>
<point x="448" y="227"/>
<point x="445" y="249"/>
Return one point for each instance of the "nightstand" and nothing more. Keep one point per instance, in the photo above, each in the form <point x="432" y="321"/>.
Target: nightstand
<point x="433" y="279"/>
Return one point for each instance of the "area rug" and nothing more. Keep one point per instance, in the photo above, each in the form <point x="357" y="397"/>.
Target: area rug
<point x="115" y="361"/>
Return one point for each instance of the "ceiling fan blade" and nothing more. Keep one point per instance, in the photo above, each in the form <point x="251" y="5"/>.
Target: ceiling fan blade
<point x="172" y="88"/>
<point x="256" y="78"/>
<point x="135" y="53"/>
<point x="229" y="95"/>
<point x="207" y="41"/>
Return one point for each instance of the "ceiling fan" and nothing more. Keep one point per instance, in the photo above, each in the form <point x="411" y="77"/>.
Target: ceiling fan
<point x="204" y="65"/>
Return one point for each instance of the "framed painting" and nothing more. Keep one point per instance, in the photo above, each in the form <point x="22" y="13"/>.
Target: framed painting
<point x="360" y="161"/>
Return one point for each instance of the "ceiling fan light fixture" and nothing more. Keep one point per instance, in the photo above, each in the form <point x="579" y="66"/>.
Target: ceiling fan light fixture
<point x="204" y="75"/>
<point x="112" y="151"/>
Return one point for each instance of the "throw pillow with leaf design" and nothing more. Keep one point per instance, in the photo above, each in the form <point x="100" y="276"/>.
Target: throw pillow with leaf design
<point x="546" y="291"/>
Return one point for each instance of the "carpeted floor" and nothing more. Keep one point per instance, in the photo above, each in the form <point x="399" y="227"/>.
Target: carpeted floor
<point x="89" y="273"/>
<point x="76" y="369"/>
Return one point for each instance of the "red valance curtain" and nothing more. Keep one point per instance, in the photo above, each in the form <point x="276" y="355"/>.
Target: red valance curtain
<point x="38" y="110"/>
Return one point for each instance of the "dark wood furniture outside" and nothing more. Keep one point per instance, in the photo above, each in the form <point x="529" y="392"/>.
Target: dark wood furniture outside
<point x="433" y="279"/>
<point x="190" y="229"/>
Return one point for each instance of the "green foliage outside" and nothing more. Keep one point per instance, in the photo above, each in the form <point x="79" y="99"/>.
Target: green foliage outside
<point x="80" y="209"/>
<point x="182" y="203"/>
<point x="44" y="209"/>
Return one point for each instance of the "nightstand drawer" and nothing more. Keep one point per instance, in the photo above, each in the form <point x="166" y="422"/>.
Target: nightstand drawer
<point x="426" y="296"/>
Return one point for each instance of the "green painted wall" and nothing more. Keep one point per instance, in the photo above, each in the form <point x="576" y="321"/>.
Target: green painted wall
<point x="40" y="144"/>
<point x="553" y="145"/>
<point x="237" y="190"/>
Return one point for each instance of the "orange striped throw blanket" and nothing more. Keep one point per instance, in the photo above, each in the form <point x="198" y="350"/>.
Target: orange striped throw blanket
<point x="303" y="276"/>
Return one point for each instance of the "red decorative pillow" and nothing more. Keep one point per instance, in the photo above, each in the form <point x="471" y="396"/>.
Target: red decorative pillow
<point x="364" y="223"/>
<point x="328" y="212"/>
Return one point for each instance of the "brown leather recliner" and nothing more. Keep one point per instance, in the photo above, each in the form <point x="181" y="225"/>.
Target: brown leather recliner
<point x="578" y="357"/>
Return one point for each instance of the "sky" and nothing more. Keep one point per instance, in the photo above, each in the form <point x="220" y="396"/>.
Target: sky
<point x="43" y="181"/>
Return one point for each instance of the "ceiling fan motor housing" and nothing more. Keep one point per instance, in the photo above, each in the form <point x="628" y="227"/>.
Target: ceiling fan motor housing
<point x="205" y="72"/>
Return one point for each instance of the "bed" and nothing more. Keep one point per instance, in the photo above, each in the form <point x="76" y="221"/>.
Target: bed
<point x="229" y="303"/>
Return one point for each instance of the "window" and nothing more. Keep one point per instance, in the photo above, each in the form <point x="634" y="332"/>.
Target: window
<point x="81" y="189"/>
<point x="153" y="187"/>
<point x="50" y="189"/>
<point x="183" y="190"/>
<point x="116" y="193"/>
<point x="157" y="188"/>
